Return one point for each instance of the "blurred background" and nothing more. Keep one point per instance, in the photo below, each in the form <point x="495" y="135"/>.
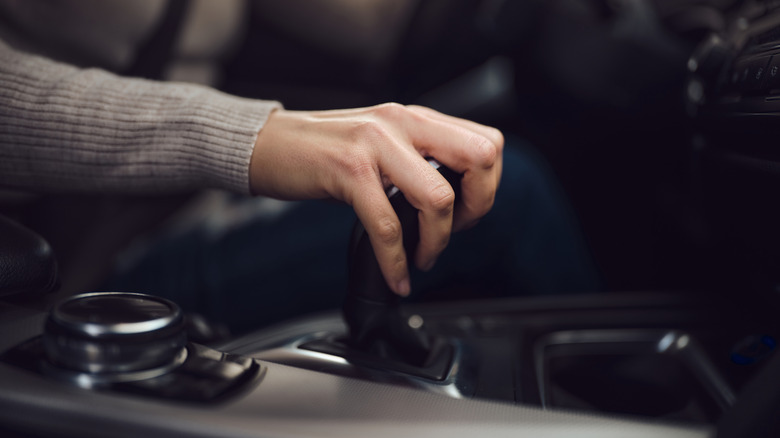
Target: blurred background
<point x="598" y="86"/>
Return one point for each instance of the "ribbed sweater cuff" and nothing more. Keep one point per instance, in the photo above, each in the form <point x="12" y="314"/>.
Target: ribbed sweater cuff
<point x="64" y="129"/>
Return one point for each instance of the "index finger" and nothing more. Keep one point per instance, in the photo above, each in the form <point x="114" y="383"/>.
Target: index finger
<point x="384" y="231"/>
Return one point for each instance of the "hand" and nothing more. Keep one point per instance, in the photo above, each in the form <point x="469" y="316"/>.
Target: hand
<point x="353" y="155"/>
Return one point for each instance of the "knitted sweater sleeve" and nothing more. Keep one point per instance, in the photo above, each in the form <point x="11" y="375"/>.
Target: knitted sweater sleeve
<point x="64" y="129"/>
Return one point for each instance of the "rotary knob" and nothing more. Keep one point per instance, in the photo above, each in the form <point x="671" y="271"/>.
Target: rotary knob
<point x="114" y="336"/>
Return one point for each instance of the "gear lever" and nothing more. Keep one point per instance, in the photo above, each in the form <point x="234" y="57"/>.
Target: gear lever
<point x="371" y="308"/>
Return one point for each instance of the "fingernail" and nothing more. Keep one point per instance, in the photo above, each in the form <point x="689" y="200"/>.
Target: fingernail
<point x="404" y="287"/>
<point x="428" y="266"/>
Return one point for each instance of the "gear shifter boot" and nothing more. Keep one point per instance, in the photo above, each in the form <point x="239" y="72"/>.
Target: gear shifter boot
<point x="371" y="308"/>
<point x="378" y="328"/>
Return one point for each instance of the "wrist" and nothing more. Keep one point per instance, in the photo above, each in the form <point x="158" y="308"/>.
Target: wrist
<point x="264" y="137"/>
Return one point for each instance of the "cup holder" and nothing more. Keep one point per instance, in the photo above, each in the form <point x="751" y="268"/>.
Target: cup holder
<point x="653" y="373"/>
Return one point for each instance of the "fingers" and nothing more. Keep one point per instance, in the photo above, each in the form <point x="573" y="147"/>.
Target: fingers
<point x="492" y="134"/>
<point x="428" y="191"/>
<point x="353" y="154"/>
<point x="435" y="218"/>
<point x="467" y="147"/>
<point x="384" y="230"/>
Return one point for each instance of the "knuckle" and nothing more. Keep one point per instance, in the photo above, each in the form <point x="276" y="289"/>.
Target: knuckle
<point x="371" y="132"/>
<point x="399" y="262"/>
<point x="359" y="165"/>
<point x="388" y="231"/>
<point x="442" y="199"/>
<point x="391" y="110"/>
<point x="498" y="138"/>
<point x="420" y="111"/>
<point x="485" y="151"/>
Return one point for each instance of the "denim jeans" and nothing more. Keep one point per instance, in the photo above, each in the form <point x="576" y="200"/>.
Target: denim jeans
<point x="268" y="268"/>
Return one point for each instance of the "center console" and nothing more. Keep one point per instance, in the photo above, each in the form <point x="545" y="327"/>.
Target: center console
<point x="633" y="364"/>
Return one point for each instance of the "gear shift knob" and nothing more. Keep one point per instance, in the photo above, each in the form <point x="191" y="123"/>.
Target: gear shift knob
<point x="371" y="308"/>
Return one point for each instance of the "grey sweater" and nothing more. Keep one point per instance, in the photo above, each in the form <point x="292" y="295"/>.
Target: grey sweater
<point x="66" y="129"/>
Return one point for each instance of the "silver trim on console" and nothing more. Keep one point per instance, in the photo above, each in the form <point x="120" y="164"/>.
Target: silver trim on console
<point x="281" y="345"/>
<point x="124" y="328"/>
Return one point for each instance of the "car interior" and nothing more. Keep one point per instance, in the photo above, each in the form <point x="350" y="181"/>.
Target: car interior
<point x="656" y="116"/>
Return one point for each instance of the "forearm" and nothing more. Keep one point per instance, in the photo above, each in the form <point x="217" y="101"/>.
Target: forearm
<point x="68" y="130"/>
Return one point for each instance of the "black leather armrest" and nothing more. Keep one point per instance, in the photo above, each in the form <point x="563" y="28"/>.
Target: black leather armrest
<point x="27" y="262"/>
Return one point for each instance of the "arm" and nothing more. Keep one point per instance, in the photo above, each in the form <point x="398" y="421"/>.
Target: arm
<point x="64" y="129"/>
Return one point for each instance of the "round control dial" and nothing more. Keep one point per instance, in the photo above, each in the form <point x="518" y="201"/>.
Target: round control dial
<point x="114" y="333"/>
